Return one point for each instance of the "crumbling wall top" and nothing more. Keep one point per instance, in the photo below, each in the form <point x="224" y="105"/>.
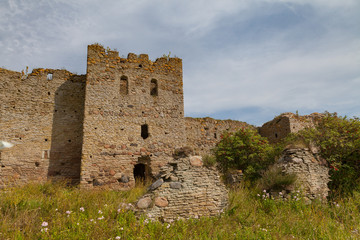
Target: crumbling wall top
<point x="97" y="53"/>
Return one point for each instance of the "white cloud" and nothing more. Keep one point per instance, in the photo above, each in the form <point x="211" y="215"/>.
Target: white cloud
<point x="250" y="56"/>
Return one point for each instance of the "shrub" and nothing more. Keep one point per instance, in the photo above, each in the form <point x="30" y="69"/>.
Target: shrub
<point x="274" y="179"/>
<point x="209" y="160"/>
<point x="338" y="141"/>
<point x="244" y="150"/>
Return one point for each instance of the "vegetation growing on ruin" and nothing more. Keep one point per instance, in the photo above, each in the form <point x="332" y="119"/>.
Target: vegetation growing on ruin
<point x="337" y="140"/>
<point x="273" y="179"/>
<point x="244" y="150"/>
<point x="54" y="211"/>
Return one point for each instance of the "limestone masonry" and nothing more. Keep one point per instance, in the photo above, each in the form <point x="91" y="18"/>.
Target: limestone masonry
<point x="185" y="189"/>
<point x="287" y="123"/>
<point x="120" y="121"/>
<point x="311" y="171"/>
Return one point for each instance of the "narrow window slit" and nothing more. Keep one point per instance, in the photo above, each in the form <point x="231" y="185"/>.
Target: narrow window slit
<point x="153" y="87"/>
<point x="144" y="131"/>
<point x="124" y="85"/>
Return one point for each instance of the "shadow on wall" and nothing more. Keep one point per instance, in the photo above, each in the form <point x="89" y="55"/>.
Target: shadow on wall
<point x="67" y="131"/>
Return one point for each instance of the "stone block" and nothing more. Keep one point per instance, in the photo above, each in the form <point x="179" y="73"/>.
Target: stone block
<point x="124" y="179"/>
<point x="156" y="184"/>
<point x="161" y="202"/>
<point x="175" y="185"/>
<point x="196" y="161"/>
<point x="118" y="175"/>
<point x="144" y="202"/>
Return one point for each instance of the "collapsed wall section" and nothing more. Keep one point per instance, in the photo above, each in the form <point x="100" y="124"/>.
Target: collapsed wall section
<point x="204" y="133"/>
<point x="287" y="123"/>
<point x="312" y="172"/>
<point x="134" y="117"/>
<point x="184" y="190"/>
<point x="41" y="113"/>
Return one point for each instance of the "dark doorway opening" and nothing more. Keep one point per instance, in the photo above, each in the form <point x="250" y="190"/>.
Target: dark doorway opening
<point x="139" y="172"/>
<point x="144" y="131"/>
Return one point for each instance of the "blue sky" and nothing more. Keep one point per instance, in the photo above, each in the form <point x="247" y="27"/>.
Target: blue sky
<point x="247" y="60"/>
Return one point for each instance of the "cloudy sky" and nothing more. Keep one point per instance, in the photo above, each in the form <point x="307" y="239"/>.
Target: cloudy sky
<point x="248" y="60"/>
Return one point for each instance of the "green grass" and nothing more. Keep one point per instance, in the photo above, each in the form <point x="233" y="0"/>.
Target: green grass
<point x="23" y="210"/>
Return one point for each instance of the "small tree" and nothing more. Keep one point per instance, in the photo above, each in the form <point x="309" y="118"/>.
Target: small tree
<point x="244" y="150"/>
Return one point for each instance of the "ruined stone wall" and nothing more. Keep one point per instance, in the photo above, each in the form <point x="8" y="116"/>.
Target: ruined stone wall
<point x="184" y="190"/>
<point x="41" y="113"/>
<point x="124" y="98"/>
<point x="203" y="133"/>
<point x="287" y="123"/>
<point x="311" y="171"/>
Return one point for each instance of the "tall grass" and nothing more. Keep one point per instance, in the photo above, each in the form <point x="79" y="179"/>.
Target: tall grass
<point x="54" y="211"/>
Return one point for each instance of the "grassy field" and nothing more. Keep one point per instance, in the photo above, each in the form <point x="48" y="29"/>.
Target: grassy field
<point x="53" y="211"/>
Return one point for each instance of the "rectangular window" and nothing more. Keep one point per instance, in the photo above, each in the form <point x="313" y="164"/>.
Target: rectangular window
<point x="124" y="86"/>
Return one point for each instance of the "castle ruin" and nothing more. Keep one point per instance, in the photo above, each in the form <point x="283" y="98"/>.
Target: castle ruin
<point x="118" y="123"/>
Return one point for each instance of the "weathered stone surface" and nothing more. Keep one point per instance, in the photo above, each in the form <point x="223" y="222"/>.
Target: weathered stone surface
<point x="175" y="185"/>
<point x="144" y="203"/>
<point x="124" y="179"/>
<point x="156" y="184"/>
<point x="202" y="134"/>
<point x="174" y="178"/>
<point x="201" y="193"/>
<point x="311" y="171"/>
<point x="196" y="161"/>
<point x="286" y="123"/>
<point x="161" y="202"/>
<point x="91" y="128"/>
<point x="118" y="176"/>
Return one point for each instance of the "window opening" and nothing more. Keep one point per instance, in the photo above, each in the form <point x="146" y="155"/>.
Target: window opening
<point x="124" y="85"/>
<point x="49" y="76"/>
<point x="153" y="87"/>
<point x="144" y="131"/>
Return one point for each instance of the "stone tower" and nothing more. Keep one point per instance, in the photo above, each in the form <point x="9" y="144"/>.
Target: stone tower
<point x="133" y="117"/>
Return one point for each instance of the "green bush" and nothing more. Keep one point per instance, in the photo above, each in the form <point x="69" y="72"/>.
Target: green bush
<point x="338" y="141"/>
<point x="274" y="179"/>
<point x="209" y="160"/>
<point x="244" y="150"/>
